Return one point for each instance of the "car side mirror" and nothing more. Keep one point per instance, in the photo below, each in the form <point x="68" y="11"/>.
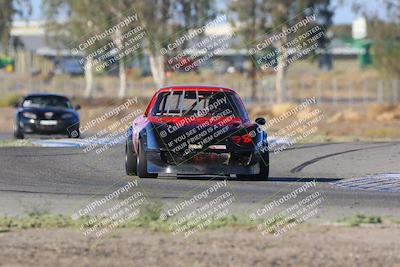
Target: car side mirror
<point x="78" y="107"/>
<point x="261" y="121"/>
<point x="16" y="105"/>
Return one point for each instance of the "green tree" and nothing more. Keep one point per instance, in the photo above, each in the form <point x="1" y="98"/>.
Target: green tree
<point x="80" y="18"/>
<point x="86" y="19"/>
<point x="256" y="18"/>
<point x="116" y="11"/>
<point x="384" y="33"/>
<point x="9" y="9"/>
<point x="163" y="19"/>
<point x="386" y="39"/>
<point x="250" y="20"/>
<point x="160" y="18"/>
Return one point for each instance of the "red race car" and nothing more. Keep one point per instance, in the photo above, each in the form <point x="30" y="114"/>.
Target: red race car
<point x="196" y="130"/>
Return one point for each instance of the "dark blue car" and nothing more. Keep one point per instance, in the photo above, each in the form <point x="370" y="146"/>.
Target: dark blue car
<point x="46" y="114"/>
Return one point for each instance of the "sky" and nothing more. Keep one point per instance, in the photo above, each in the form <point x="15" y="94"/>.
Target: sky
<point x="343" y="13"/>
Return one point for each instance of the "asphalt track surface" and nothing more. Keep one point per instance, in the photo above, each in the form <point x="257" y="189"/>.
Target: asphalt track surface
<point x="63" y="180"/>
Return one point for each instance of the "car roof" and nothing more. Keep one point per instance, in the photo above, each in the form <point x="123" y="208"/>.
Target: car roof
<point x="194" y="88"/>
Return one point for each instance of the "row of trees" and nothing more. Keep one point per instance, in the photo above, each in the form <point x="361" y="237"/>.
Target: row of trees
<point x="160" y="18"/>
<point x="251" y="19"/>
<point x="71" y="21"/>
<point x="256" y="18"/>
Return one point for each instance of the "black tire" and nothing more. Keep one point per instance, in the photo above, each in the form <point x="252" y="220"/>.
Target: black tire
<point x="142" y="163"/>
<point x="130" y="159"/>
<point x="18" y="134"/>
<point x="264" y="169"/>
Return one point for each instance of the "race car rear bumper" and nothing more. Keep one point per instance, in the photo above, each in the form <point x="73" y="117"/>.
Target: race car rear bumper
<point x="155" y="164"/>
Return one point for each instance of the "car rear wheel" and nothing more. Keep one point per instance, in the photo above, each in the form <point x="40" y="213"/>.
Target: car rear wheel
<point x="264" y="169"/>
<point x="130" y="159"/>
<point x="142" y="163"/>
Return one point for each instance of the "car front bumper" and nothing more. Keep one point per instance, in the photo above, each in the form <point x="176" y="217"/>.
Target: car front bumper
<point x="33" y="126"/>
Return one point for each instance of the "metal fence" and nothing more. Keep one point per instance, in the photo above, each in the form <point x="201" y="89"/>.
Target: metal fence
<point x="333" y="91"/>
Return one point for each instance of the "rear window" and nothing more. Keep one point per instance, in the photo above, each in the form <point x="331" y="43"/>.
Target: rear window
<point x="198" y="103"/>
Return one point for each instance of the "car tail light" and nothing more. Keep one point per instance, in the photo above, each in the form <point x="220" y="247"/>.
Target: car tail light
<point x="242" y="139"/>
<point x="246" y="138"/>
<point x="236" y="139"/>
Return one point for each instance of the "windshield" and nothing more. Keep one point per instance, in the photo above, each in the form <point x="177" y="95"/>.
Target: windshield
<point x="198" y="103"/>
<point x="46" y="101"/>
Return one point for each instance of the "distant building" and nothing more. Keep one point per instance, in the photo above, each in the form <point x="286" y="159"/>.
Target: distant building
<point x="30" y="37"/>
<point x="33" y="48"/>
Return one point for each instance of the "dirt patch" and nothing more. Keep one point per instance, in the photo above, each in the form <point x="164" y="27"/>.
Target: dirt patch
<point x="307" y="245"/>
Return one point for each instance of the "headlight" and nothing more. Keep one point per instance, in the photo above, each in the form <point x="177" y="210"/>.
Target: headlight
<point x="66" y="116"/>
<point x="29" y="115"/>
